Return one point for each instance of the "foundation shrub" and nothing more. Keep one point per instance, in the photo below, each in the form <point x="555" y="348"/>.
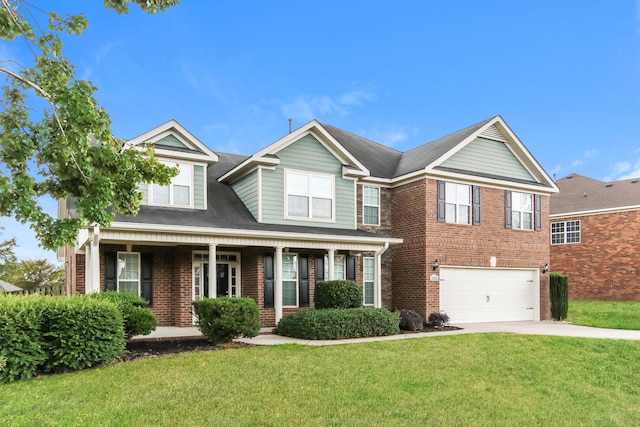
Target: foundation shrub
<point x="559" y="294"/>
<point x="138" y="320"/>
<point x="410" y="321"/>
<point x="334" y="324"/>
<point x="337" y="294"/>
<point x="224" y="319"/>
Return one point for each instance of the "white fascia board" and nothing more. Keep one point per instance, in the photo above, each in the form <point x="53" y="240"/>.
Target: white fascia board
<point x="269" y="234"/>
<point x="174" y="128"/>
<point x="249" y="165"/>
<point x="596" y="211"/>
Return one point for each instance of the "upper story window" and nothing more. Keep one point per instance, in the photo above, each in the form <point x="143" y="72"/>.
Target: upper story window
<point x="371" y="205"/>
<point x="178" y="192"/>
<point x="523" y="211"/>
<point x="565" y="232"/>
<point x="458" y="203"/>
<point x="310" y="196"/>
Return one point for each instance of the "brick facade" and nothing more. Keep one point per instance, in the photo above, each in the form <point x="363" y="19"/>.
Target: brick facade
<point x="605" y="265"/>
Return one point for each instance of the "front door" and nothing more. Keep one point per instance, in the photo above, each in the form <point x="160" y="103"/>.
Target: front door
<point x="222" y="280"/>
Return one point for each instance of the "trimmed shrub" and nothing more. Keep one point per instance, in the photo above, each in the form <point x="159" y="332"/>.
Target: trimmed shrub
<point x="224" y="319"/>
<point x="138" y="320"/>
<point x="80" y="333"/>
<point x="335" y="324"/>
<point x="559" y="293"/>
<point x="337" y="294"/>
<point x="438" y="320"/>
<point x="410" y="320"/>
<point x="21" y="337"/>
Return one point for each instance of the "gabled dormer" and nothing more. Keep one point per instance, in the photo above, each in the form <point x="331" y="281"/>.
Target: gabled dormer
<point x="176" y="146"/>
<point x="305" y="178"/>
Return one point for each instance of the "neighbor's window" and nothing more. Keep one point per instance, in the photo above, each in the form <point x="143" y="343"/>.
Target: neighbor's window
<point x="522" y="211"/>
<point x="338" y="267"/>
<point x="289" y="280"/>
<point x="369" y="277"/>
<point x="371" y="205"/>
<point x="565" y="232"/>
<point x="309" y="195"/>
<point x="129" y="272"/>
<point x="178" y="192"/>
<point x="457" y="203"/>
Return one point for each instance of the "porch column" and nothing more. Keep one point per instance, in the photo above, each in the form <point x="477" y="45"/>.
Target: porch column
<point x="277" y="294"/>
<point x="213" y="272"/>
<point x="330" y="260"/>
<point x="92" y="262"/>
<point x="87" y="269"/>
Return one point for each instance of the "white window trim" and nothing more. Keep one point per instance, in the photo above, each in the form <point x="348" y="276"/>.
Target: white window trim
<point x="565" y="232"/>
<point x="191" y="188"/>
<point x="119" y="269"/>
<point x="289" y="280"/>
<point x="532" y="211"/>
<point x="310" y="218"/>
<point x="368" y="205"/>
<point x="372" y="282"/>
<point x="457" y="205"/>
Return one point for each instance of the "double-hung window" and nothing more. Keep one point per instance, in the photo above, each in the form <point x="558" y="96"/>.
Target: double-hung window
<point x="368" y="267"/>
<point x="309" y="196"/>
<point x="457" y="203"/>
<point x="565" y="232"/>
<point x="339" y="272"/>
<point x="370" y="205"/>
<point x="128" y="274"/>
<point x="289" y="280"/>
<point x="178" y="192"/>
<point x="522" y="211"/>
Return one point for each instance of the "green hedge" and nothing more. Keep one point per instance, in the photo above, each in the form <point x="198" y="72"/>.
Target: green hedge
<point x="337" y="294"/>
<point x="335" y="324"/>
<point x="138" y="320"/>
<point x="41" y="334"/>
<point x="224" y="319"/>
<point x="559" y="293"/>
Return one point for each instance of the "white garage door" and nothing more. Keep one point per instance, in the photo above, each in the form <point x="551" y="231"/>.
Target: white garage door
<point x="472" y="295"/>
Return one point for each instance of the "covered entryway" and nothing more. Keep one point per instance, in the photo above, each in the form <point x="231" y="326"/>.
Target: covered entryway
<point x="471" y="295"/>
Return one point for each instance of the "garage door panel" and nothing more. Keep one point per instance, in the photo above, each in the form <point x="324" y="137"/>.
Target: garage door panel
<point x="487" y="295"/>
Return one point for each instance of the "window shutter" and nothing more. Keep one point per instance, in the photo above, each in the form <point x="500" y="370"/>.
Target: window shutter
<point x="268" y="281"/>
<point x="146" y="284"/>
<point x="507" y="210"/>
<point x="110" y="274"/>
<point x="303" y="281"/>
<point x="476" y="204"/>
<point x="538" y="212"/>
<point x="351" y="268"/>
<point x="441" y="201"/>
<point x="319" y="269"/>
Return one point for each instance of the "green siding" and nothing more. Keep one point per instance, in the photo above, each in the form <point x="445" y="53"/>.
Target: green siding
<point x="247" y="189"/>
<point x="198" y="187"/>
<point x="171" y="141"/>
<point x="490" y="157"/>
<point x="308" y="155"/>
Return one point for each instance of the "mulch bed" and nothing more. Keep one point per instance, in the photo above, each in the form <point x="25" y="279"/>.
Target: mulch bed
<point x="144" y="349"/>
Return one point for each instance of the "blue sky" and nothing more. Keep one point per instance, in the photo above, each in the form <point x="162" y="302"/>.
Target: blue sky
<point x="564" y="75"/>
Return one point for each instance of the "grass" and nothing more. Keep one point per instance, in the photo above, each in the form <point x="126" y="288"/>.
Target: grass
<point x="605" y="314"/>
<point x="488" y="379"/>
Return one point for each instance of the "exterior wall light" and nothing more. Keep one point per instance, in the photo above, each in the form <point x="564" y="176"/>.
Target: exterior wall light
<point x="436" y="264"/>
<point x="545" y="268"/>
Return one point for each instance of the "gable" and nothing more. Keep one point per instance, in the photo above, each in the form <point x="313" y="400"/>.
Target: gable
<point x="171" y="141"/>
<point x="488" y="157"/>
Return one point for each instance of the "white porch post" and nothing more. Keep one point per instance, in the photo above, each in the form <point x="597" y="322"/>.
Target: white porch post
<point x="277" y="295"/>
<point x="330" y="261"/>
<point x="92" y="263"/>
<point x="213" y="276"/>
<point x="88" y="277"/>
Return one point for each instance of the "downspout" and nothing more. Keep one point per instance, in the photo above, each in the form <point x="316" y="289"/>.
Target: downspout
<point x="378" y="299"/>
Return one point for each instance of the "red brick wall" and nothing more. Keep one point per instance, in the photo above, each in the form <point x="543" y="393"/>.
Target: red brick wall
<point x="458" y="245"/>
<point x="605" y="265"/>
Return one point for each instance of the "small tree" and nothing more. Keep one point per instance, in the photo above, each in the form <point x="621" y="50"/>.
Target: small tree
<point x="337" y="294"/>
<point x="224" y="319"/>
<point x="559" y="293"/>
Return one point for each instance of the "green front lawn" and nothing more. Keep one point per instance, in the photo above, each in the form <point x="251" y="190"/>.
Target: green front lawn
<point x="485" y="379"/>
<point x="605" y="314"/>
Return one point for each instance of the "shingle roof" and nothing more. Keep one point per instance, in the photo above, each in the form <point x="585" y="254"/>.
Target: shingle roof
<point x="579" y="193"/>
<point x="385" y="162"/>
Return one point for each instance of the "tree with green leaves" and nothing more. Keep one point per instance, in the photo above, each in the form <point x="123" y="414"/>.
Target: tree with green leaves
<point x="55" y="138"/>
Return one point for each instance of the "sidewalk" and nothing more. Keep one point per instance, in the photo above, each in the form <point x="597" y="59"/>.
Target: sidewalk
<point x="527" y="328"/>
